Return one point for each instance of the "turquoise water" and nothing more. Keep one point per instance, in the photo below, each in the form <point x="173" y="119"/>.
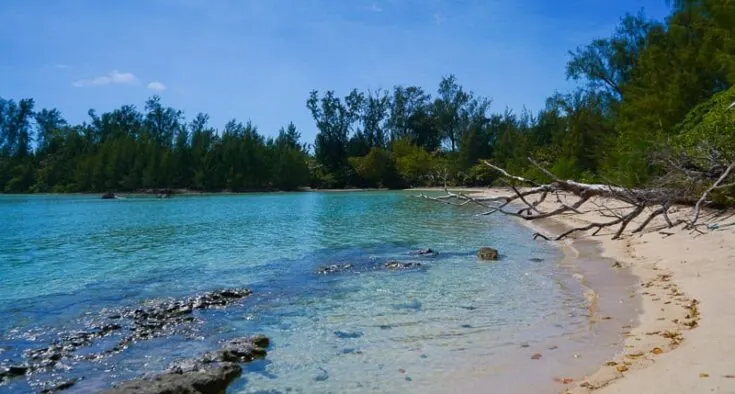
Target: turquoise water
<point x="65" y="258"/>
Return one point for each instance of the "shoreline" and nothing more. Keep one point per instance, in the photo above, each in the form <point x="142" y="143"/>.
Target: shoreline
<point x="610" y="291"/>
<point x="682" y="339"/>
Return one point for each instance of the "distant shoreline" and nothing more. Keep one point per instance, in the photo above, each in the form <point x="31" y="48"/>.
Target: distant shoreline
<point x="189" y="192"/>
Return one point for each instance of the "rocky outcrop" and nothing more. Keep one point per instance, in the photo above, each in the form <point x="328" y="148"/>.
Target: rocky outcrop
<point x="488" y="254"/>
<point x="398" y="265"/>
<point x="153" y="319"/>
<point x="334" y="268"/>
<point x="426" y="252"/>
<point x="211" y="373"/>
<point x="391" y="265"/>
<point x="213" y="379"/>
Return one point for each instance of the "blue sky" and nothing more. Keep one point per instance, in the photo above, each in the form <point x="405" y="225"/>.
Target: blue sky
<point x="257" y="60"/>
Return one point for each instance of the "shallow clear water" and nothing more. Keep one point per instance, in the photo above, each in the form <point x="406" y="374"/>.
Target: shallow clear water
<point x="66" y="257"/>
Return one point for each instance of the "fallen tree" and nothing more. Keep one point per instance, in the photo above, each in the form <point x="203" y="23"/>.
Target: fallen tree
<point x="527" y="195"/>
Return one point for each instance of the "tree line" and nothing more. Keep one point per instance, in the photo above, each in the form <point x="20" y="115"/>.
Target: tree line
<point x="650" y="89"/>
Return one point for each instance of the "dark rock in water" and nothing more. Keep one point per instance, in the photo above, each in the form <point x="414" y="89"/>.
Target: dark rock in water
<point x="334" y="268"/>
<point x="108" y="196"/>
<point x="427" y="252"/>
<point x="243" y="349"/>
<point x="397" y="265"/>
<point x="212" y="379"/>
<point x="54" y="388"/>
<point x="324" y="375"/>
<point x="536" y="259"/>
<point x="347" y="335"/>
<point x="385" y="326"/>
<point x="211" y="373"/>
<point x="466" y="326"/>
<point x="12" y="371"/>
<point x="153" y="319"/>
<point x="17" y="370"/>
<point x="414" y="305"/>
<point x="488" y="254"/>
<point x="469" y="308"/>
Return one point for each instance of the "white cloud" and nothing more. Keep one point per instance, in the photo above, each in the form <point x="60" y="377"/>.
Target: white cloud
<point x="114" y="77"/>
<point x="376" y="8"/>
<point x="438" y="18"/>
<point x="157" y="86"/>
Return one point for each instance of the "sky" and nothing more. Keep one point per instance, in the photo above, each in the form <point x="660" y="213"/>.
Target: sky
<point x="258" y="60"/>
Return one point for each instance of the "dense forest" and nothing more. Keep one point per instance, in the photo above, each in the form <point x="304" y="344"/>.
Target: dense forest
<point x="652" y="87"/>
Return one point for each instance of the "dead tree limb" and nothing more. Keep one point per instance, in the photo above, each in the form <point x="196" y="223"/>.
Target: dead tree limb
<point x="633" y="201"/>
<point x="698" y="207"/>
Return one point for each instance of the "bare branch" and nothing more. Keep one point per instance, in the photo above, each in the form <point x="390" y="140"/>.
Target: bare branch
<point x="509" y="176"/>
<point x="703" y="198"/>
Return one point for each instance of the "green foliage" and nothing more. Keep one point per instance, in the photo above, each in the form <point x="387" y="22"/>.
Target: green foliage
<point x="415" y="165"/>
<point x="710" y="125"/>
<point x="378" y="168"/>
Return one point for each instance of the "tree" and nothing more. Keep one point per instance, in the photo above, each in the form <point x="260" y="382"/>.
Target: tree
<point x="448" y="108"/>
<point x="607" y="64"/>
<point x="334" y="120"/>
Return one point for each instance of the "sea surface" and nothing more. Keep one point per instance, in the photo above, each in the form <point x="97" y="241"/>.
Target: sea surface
<point x="452" y="322"/>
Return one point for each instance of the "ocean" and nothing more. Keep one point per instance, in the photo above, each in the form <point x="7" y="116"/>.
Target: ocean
<point x="446" y="323"/>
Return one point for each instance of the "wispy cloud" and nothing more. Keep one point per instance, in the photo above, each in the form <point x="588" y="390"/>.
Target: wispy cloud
<point x="61" y="66"/>
<point x="115" y="77"/>
<point x="157" y="86"/>
<point x="438" y="18"/>
<point x="376" y="8"/>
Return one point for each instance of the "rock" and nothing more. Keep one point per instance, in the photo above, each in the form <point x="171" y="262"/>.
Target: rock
<point x="211" y="373"/>
<point x="108" y="196"/>
<point x="347" y="335"/>
<point x="427" y="252"/>
<point x="213" y="379"/>
<point x="59" y="387"/>
<point x="397" y="265"/>
<point x="324" y="375"/>
<point x="17" y="370"/>
<point x="12" y="371"/>
<point x="153" y="319"/>
<point x="536" y="259"/>
<point x="334" y="268"/>
<point x="488" y="254"/>
<point x="243" y="349"/>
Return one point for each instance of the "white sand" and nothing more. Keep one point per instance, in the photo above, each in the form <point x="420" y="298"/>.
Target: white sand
<point x="686" y="280"/>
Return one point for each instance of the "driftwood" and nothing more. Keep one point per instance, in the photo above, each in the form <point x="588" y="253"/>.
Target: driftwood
<point x="524" y="202"/>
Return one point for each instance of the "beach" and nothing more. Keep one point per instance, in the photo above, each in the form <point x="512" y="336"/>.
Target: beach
<point x="683" y="340"/>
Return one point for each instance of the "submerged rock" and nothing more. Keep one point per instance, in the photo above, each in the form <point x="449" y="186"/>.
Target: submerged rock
<point x="426" y="252"/>
<point x="488" y="254"/>
<point x="398" y="265"/>
<point x="210" y="373"/>
<point x="347" y="335"/>
<point x="323" y="375"/>
<point x="108" y="196"/>
<point x="153" y="319"/>
<point x="334" y="268"/>
<point x="56" y="387"/>
<point x="536" y="259"/>
<point x="212" y="379"/>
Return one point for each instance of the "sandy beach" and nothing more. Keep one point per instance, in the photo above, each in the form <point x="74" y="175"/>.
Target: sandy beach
<point x="684" y="339"/>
